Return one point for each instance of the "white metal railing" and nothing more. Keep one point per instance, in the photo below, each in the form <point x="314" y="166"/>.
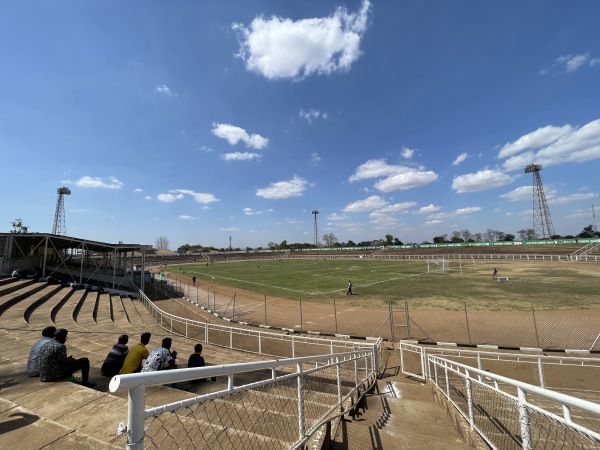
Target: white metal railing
<point x="538" y="368"/>
<point x="296" y="397"/>
<point x="255" y="341"/>
<point x="511" y="414"/>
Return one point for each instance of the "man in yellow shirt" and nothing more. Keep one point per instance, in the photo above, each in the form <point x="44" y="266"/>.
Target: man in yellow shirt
<point x="139" y="352"/>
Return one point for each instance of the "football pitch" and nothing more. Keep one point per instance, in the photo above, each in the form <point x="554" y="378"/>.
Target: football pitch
<point x="546" y="285"/>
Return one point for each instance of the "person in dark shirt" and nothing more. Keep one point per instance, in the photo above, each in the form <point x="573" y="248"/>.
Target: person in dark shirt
<point x="115" y="358"/>
<point x="197" y="360"/>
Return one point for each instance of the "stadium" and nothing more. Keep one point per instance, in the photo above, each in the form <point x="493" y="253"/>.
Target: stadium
<point x="494" y="345"/>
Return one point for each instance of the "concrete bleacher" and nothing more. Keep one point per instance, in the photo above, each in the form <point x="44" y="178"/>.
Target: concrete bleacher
<point x="34" y="414"/>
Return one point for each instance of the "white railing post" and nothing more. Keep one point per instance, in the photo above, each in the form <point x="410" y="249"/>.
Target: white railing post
<point x="524" y="420"/>
<point x="231" y="338"/>
<point x="541" y="372"/>
<point x="338" y="372"/>
<point x="293" y="347"/>
<point x="469" y="388"/>
<point x="135" y="413"/>
<point x="447" y="379"/>
<point x="206" y="332"/>
<point x="260" y="342"/>
<point x="301" y="419"/>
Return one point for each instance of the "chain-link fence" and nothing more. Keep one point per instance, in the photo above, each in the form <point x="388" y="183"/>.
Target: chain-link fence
<point x="512" y="414"/>
<point x="579" y="330"/>
<point x="574" y="375"/>
<point x="286" y="409"/>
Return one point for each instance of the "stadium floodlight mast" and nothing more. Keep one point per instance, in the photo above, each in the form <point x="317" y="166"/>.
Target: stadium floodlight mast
<point x="315" y="212"/>
<point x="59" y="216"/>
<point x="542" y="223"/>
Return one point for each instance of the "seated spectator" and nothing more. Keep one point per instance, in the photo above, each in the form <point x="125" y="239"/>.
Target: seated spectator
<point x="32" y="362"/>
<point x="55" y="365"/>
<point x="16" y="273"/>
<point x="139" y="352"/>
<point x="115" y="358"/>
<point x="161" y="358"/>
<point x="197" y="360"/>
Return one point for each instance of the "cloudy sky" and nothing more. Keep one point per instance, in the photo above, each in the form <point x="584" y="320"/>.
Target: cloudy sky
<point x="201" y="120"/>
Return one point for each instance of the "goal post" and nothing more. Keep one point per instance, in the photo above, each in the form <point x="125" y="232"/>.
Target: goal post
<point x="437" y="265"/>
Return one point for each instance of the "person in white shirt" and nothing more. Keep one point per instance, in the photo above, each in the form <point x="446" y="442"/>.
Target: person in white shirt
<point x="161" y="358"/>
<point x="32" y="362"/>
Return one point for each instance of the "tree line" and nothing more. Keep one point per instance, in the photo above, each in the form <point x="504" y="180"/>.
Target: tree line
<point x="330" y="240"/>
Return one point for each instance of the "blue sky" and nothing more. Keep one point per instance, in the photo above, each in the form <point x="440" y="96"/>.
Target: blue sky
<point x="201" y="120"/>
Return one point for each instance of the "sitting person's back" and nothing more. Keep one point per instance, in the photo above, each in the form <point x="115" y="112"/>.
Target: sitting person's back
<point x="33" y="361"/>
<point x="116" y="357"/>
<point x="197" y="360"/>
<point x="133" y="359"/>
<point x="161" y="358"/>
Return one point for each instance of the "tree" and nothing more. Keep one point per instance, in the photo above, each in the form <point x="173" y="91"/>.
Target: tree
<point x="466" y="235"/>
<point x="329" y="240"/>
<point x="162" y="243"/>
<point x="456" y="237"/>
<point x="18" y="227"/>
<point x="389" y="239"/>
<point x="440" y="239"/>
<point x="588" y="232"/>
<point x="526" y="235"/>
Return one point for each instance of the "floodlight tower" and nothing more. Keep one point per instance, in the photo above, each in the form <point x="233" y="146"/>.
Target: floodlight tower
<point x="59" y="216"/>
<point x="315" y="212"/>
<point x="542" y="223"/>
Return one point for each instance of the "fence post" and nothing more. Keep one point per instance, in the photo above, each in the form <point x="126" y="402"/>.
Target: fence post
<point x="469" y="389"/>
<point x="467" y="321"/>
<point x="233" y="315"/>
<point x="541" y="372"/>
<point x="301" y="315"/>
<point x="407" y="320"/>
<point x="391" y="316"/>
<point x="537" y="338"/>
<point x="266" y="310"/>
<point x="338" y="372"/>
<point x="524" y="421"/>
<point x="135" y="418"/>
<point x="335" y="316"/>
<point x="301" y="422"/>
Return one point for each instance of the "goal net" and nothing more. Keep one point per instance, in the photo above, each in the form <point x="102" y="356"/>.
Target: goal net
<point x="437" y="265"/>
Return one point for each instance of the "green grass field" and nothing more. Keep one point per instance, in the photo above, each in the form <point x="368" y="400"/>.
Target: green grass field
<point x="546" y="285"/>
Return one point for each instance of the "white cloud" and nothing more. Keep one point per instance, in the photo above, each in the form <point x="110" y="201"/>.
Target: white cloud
<point x="239" y="156"/>
<point x="453" y="214"/>
<point x="398" y="177"/>
<point x="311" y="115"/>
<point x="283" y="48"/>
<point x="368" y="204"/>
<point x="428" y="209"/>
<point x="251" y="212"/>
<point x="199" y="197"/>
<point x="164" y="89"/>
<point x="138" y="190"/>
<point x="284" y="189"/>
<point x="480" y="181"/>
<point x="96" y="182"/>
<point x="571" y="198"/>
<point x="433" y="222"/>
<point x="535" y="139"/>
<point x="233" y="135"/>
<point x="569" y="145"/>
<point x="184" y="217"/>
<point x="397" y="207"/>
<point x="315" y="158"/>
<point x="404" y="181"/>
<point x="460" y="159"/>
<point x="407" y="153"/>
<point x="335" y="217"/>
<point x="382" y="220"/>
<point x="148" y="197"/>
<point x="518" y="194"/>
<point x="572" y="62"/>
<point x="169" y="198"/>
<point x="569" y="64"/>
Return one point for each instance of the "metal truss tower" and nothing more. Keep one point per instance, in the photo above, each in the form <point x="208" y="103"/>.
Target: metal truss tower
<point x="59" y="216"/>
<point x="315" y="212"/>
<point x="542" y="223"/>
